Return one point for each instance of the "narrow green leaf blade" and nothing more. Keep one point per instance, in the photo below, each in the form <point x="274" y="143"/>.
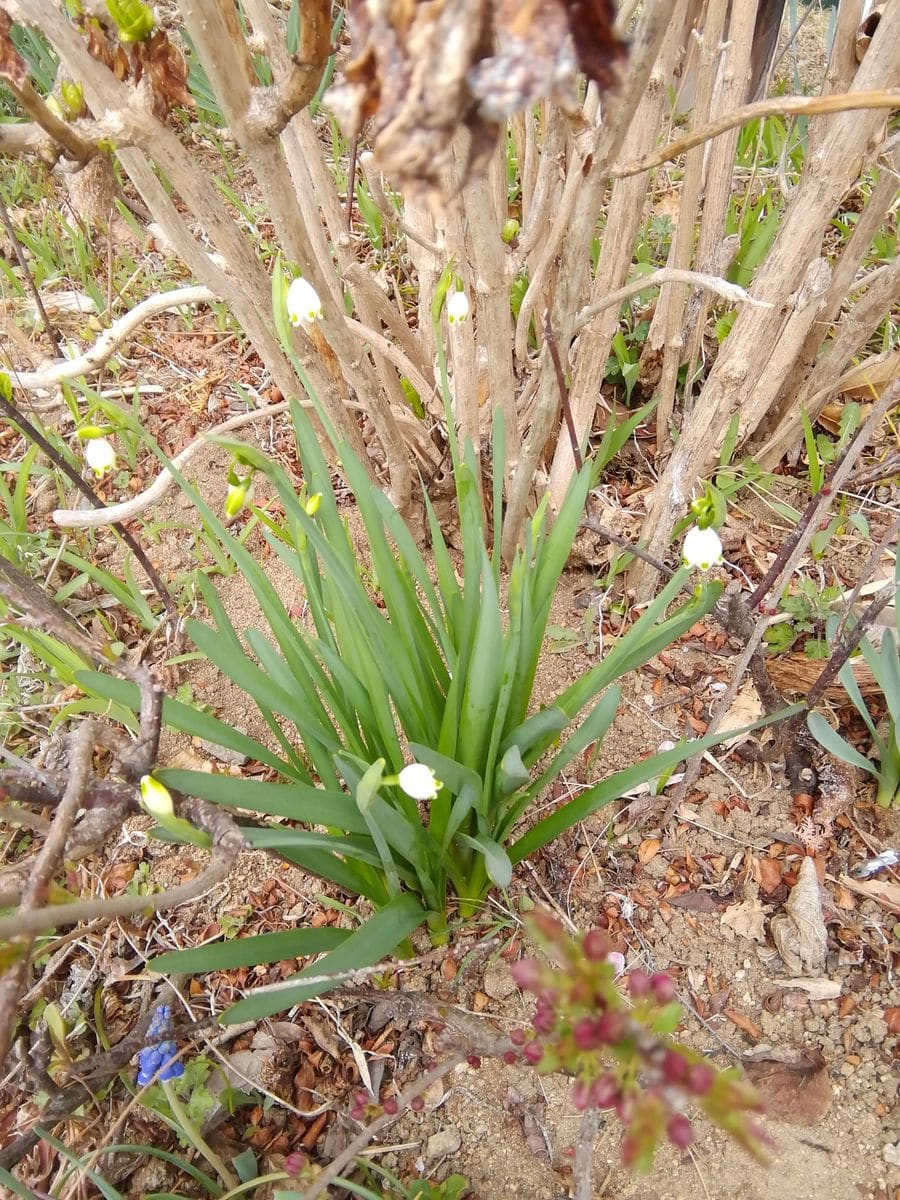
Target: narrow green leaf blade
<point x="380" y="935"/>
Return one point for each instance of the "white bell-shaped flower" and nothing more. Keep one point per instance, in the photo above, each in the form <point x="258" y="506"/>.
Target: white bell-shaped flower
<point x="457" y="307"/>
<point x="702" y="548"/>
<point x="419" y="781"/>
<point x="100" y="455"/>
<point x="303" y="303"/>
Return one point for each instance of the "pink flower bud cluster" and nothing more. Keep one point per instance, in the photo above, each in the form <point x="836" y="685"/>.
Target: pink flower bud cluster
<point x="619" y="1050"/>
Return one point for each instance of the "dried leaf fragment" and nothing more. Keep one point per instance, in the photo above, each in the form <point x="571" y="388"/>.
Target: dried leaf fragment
<point x="794" y="1089"/>
<point x="748" y="919"/>
<point x="425" y="72"/>
<point x="800" y="934"/>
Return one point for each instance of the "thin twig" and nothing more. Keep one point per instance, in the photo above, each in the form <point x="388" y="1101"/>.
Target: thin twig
<point x="111" y="338"/>
<point x="362" y="1139"/>
<point x="550" y="343"/>
<point x="88" y="492"/>
<point x="583" y="1170"/>
<point x="23" y="925"/>
<point x="776" y="106"/>
<point x="32" y="286"/>
<point x="731" y="292"/>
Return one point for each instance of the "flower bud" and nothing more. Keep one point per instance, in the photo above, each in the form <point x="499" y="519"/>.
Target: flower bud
<point x="611" y="1027"/>
<point x="680" y="1131"/>
<point x="604" y="1091"/>
<point x="527" y="973"/>
<point x="303" y="304"/>
<point x="391" y="1107"/>
<point x="699" y="1079"/>
<point x="674" y="1067"/>
<point x="596" y="945"/>
<point x="156" y="797"/>
<point x="237" y="496"/>
<point x="663" y="987"/>
<point x="313" y="504"/>
<point x="639" y="984"/>
<point x="533" y="1053"/>
<point x="419" y="781"/>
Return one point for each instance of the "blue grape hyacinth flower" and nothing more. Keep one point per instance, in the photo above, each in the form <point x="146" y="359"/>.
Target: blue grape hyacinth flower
<point x="158" y="1053"/>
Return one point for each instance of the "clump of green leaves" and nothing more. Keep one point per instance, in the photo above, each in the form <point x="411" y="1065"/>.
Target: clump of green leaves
<point x="883" y="661"/>
<point x="808" y="609"/>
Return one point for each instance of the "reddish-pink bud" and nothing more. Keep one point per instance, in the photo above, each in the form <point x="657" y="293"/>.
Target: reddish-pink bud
<point x="517" y="1037"/>
<point x="699" y="1079"/>
<point x="611" y="1027"/>
<point x="596" y="945"/>
<point x="663" y="987"/>
<point x="674" y="1067"/>
<point x="533" y="1053"/>
<point x="417" y="1104"/>
<point x="584" y="1031"/>
<point x="510" y="1057"/>
<point x="544" y="1018"/>
<point x="474" y="1061"/>
<point x="390" y="1106"/>
<point x="680" y="1131"/>
<point x="527" y="974"/>
<point x="639" y="984"/>
<point x="295" y="1162"/>
<point x="604" y="1091"/>
<point x="581" y="1094"/>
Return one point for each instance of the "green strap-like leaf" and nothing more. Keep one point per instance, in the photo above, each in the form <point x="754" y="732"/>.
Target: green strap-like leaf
<point x="250" y="951"/>
<point x="380" y="935"/>
<point x="836" y="745"/>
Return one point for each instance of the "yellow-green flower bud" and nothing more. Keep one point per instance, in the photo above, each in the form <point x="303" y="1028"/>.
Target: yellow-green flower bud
<point x="238" y="495"/>
<point x="134" y="20"/>
<point x="157" y="798"/>
<point x="72" y="96"/>
<point x="313" y="504"/>
<point x="510" y="230"/>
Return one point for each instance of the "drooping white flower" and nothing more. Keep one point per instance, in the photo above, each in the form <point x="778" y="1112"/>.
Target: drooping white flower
<point x="702" y="548"/>
<point x="419" y="781"/>
<point x="457" y="307"/>
<point x="100" y="455"/>
<point x="303" y="303"/>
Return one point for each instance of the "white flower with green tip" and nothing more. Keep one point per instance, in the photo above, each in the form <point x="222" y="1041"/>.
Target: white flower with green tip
<point x="702" y="548"/>
<point x="303" y="304"/>
<point x="100" y="456"/>
<point x="419" y="781"/>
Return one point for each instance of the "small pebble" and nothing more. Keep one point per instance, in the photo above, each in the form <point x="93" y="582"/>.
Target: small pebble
<point x="445" y="1141"/>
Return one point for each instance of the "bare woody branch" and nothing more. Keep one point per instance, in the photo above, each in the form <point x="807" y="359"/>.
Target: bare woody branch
<point x="777" y="106"/>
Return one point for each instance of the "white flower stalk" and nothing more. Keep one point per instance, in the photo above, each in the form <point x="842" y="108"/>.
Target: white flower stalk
<point x="303" y="304"/>
<point x="457" y="307"/>
<point x="419" y="781"/>
<point x="702" y="548"/>
<point x="100" y="456"/>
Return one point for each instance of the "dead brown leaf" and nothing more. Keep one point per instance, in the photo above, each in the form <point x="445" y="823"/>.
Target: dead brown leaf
<point x="747" y="919"/>
<point x="744" y="1023"/>
<point x="701" y="902"/>
<point x="795" y="1090"/>
<point x="648" y="849"/>
<point x="769" y="874"/>
<point x="885" y="891"/>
